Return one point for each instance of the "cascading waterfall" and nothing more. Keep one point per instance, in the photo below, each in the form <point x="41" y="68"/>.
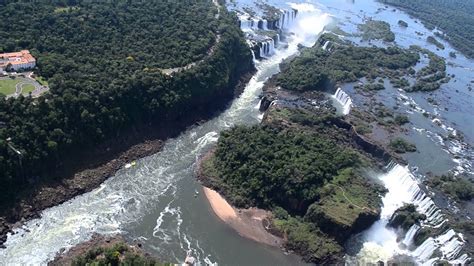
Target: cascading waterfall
<point x="267" y="48"/>
<point x="248" y="23"/>
<point x="286" y="18"/>
<point x="344" y="99"/>
<point x="253" y="56"/>
<point x="403" y="188"/>
<point x="264" y="24"/>
<point x="325" y="46"/>
<point x="251" y="24"/>
<point x="408" y="240"/>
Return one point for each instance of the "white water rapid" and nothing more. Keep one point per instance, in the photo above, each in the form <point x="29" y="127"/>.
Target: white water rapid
<point x="154" y="202"/>
<point x="380" y="242"/>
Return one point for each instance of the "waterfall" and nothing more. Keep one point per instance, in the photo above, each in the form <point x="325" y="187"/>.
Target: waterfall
<point x="248" y="23"/>
<point x="344" y="99"/>
<point x="267" y="48"/>
<point x="408" y="240"/>
<point x="286" y="18"/>
<point x="404" y="188"/>
<point x="264" y="24"/>
<point x="325" y="45"/>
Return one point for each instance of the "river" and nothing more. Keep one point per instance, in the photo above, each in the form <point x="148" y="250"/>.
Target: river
<point x="155" y="202"/>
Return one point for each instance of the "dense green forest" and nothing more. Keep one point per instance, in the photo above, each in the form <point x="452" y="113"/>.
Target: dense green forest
<point x="454" y="17"/>
<point x="63" y="37"/>
<point x="305" y="168"/>
<point x="346" y="63"/>
<point x="118" y="254"/>
<point x="318" y="69"/>
<point x="376" y="30"/>
<point x="269" y="167"/>
<point x="101" y="61"/>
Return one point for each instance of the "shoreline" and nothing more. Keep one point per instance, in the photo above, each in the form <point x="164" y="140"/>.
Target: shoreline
<point x="248" y="223"/>
<point x="84" y="172"/>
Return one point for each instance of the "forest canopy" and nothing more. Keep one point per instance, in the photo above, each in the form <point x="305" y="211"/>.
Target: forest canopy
<point x="454" y="17"/>
<point x="306" y="169"/>
<point x="315" y="67"/>
<point x="102" y="63"/>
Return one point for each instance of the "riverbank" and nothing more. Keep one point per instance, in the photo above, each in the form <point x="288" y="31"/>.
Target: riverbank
<point x="84" y="172"/>
<point x="249" y="223"/>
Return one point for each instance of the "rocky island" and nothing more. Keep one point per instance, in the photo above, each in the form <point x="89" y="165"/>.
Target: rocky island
<point x="307" y="163"/>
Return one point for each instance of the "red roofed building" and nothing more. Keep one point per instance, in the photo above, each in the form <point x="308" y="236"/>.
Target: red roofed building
<point x="17" y="61"/>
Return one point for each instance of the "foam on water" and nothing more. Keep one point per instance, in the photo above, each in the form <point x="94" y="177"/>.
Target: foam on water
<point x="381" y="241"/>
<point x="132" y="194"/>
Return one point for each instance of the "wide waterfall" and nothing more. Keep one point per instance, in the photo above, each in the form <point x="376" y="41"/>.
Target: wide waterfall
<point x="251" y="23"/>
<point x="286" y="18"/>
<point x="248" y="23"/>
<point x="344" y="99"/>
<point x="381" y="242"/>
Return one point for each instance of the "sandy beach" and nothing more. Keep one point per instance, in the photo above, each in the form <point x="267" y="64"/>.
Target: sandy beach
<point x="247" y="222"/>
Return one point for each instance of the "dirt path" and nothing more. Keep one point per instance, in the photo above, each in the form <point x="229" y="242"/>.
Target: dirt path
<point x="170" y="71"/>
<point x="350" y="201"/>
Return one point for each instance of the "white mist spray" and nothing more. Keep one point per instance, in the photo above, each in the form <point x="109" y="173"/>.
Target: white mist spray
<point x="381" y="241"/>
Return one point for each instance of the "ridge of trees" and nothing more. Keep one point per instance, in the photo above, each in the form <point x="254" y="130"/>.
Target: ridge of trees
<point x="101" y="60"/>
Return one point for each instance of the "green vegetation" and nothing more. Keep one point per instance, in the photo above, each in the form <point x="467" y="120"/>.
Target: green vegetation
<point x="314" y="68"/>
<point x="306" y="168"/>
<point x="343" y="202"/>
<point x="400" y="145"/>
<point x="430" y="77"/>
<point x="374" y="87"/>
<point x="432" y="40"/>
<point x="41" y="80"/>
<point x="453" y="17"/>
<point x="402" y="23"/>
<point x="401" y="119"/>
<point x="460" y="188"/>
<point x="102" y="25"/>
<point x="423" y="234"/>
<point x="406" y="216"/>
<point x="376" y="30"/>
<point x="102" y="62"/>
<point x="7" y="85"/>
<point x="270" y="13"/>
<point x="256" y="163"/>
<point x="27" y="88"/>
<point x="400" y="83"/>
<point x="309" y="241"/>
<point x="119" y="254"/>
